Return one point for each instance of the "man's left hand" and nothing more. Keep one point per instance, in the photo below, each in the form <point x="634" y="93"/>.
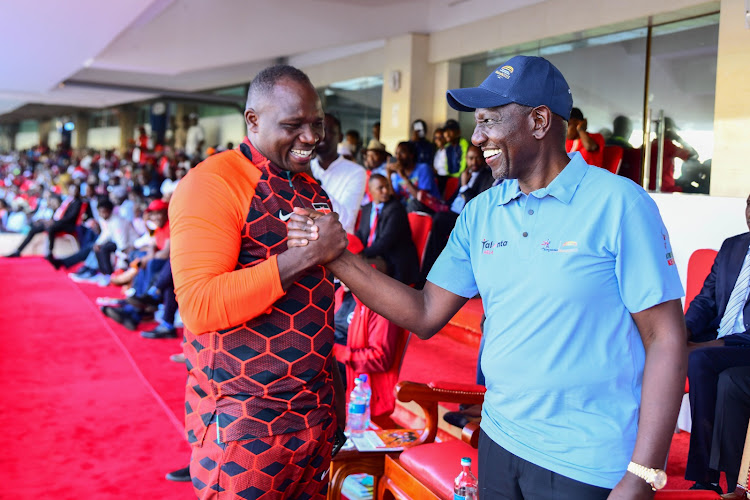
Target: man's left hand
<point x="631" y="487"/>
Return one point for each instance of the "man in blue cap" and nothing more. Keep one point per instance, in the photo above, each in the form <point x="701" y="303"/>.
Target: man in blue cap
<point x="584" y="351"/>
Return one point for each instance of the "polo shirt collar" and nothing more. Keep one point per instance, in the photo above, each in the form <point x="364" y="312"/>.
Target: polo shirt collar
<point x="562" y="187"/>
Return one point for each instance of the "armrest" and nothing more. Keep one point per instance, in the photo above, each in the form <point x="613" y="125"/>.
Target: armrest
<point x="470" y="434"/>
<point x="428" y="397"/>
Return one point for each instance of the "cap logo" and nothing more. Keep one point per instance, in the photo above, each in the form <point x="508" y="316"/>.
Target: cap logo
<point x="504" y="72"/>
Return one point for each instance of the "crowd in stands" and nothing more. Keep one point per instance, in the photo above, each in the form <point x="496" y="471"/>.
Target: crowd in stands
<point x="115" y="204"/>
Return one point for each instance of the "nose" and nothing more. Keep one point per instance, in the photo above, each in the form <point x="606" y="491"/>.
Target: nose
<point x="478" y="137"/>
<point x="311" y="134"/>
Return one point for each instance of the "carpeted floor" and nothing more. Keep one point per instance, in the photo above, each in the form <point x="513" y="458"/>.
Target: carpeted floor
<point x="95" y="411"/>
<point x="81" y="415"/>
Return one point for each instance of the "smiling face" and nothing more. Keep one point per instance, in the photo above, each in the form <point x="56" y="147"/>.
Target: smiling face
<point x="501" y="133"/>
<point x="286" y="124"/>
<point x="474" y="159"/>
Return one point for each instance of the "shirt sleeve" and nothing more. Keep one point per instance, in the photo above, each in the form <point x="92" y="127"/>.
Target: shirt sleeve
<point x="206" y="221"/>
<point x="426" y="180"/>
<point x="452" y="270"/>
<point x="644" y="263"/>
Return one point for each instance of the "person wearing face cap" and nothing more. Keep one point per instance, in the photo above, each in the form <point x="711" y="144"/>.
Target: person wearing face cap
<point x="584" y="348"/>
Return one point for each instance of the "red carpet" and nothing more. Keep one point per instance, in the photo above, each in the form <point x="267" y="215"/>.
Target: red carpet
<point x="82" y="420"/>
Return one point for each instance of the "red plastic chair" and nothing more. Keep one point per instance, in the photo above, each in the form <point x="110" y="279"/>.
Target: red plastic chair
<point x="612" y="158"/>
<point x="699" y="266"/>
<point x="421" y="225"/>
<point x="451" y="186"/>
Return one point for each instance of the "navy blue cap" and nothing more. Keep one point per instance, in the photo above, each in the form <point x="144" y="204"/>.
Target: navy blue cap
<point x="526" y="80"/>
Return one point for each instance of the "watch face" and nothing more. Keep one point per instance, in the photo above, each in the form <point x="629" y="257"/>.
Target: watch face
<point x="660" y="479"/>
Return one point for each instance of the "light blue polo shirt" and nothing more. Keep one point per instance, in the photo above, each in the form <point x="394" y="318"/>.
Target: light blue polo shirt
<point x="560" y="271"/>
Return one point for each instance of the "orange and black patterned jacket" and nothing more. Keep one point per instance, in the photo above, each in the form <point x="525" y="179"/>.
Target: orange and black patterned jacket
<point x="259" y="359"/>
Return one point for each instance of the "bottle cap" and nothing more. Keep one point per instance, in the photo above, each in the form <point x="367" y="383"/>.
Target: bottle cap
<point x="465" y="461"/>
<point x="363" y="377"/>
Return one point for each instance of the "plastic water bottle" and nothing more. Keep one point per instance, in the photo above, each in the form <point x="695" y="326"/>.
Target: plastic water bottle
<point x="368" y="392"/>
<point x="355" y="421"/>
<point x="465" y="487"/>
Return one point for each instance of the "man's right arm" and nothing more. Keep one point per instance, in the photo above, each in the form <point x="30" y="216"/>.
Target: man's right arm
<point x="206" y="223"/>
<point x="423" y="312"/>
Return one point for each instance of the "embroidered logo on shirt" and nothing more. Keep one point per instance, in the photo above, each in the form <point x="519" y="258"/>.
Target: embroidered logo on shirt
<point x="670" y="259"/>
<point x="562" y="247"/>
<point x="489" y="246"/>
<point x="284" y="217"/>
<point x="322" y="208"/>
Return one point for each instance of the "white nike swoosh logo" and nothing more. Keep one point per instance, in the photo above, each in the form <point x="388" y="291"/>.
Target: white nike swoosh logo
<point x="283" y="217"/>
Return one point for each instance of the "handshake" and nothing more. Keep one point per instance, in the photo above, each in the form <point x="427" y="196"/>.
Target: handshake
<point x="320" y="237"/>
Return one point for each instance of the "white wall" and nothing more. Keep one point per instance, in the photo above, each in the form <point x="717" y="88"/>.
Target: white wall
<point x="26" y="140"/>
<point x="698" y="221"/>
<point x="224" y="128"/>
<point x="103" y="137"/>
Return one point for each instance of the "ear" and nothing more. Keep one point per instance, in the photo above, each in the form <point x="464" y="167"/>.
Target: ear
<point x="541" y="117"/>
<point x="251" y="119"/>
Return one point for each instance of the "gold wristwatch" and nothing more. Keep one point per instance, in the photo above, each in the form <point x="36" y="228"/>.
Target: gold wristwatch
<point x="657" y="478"/>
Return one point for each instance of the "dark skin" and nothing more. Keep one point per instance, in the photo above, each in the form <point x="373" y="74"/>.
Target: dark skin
<point x="577" y="130"/>
<point x="691" y="346"/>
<point x="404" y="166"/>
<point x="285" y="125"/>
<point x="524" y="143"/>
<point x="327" y="147"/>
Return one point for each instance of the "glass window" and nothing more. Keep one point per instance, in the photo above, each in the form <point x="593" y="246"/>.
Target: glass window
<point x="607" y="74"/>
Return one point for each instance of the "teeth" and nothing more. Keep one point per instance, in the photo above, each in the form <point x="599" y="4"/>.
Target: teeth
<point x="300" y="152"/>
<point x="491" y="152"/>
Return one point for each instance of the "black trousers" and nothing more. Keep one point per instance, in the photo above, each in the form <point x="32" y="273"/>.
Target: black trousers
<point x="165" y="283"/>
<point x="704" y="367"/>
<point x="503" y="475"/>
<point x="38" y="227"/>
<point x="730" y="426"/>
<point x="104" y="257"/>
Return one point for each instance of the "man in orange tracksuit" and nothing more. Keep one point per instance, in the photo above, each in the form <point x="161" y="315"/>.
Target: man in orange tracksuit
<point x="258" y="316"/>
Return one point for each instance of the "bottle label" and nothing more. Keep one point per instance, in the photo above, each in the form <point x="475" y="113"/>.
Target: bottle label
<point x="356" y="408"/>
<point x="456" y="496"/>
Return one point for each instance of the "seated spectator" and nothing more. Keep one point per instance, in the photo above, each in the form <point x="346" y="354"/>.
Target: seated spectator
<point x="64" y="220"/>
<point x="149" y="263"/>
<point x="376" y="157"/>
<point x="368" y="346"/>
<point x="622" y="127"/>
<point x="4" y="214"/>
<point x="385" y="232"/>
<point x="455" y="148"/>
<point x="408" y="178"/>
<point x="730" y="424"/>
<point x="674" y="147"/>
<point x="162" y="292"/>
<point x="344" y="181"/>
<point x="590" y="145"/>
<point x="717" y="322"/>
<point x="424" y="148"/>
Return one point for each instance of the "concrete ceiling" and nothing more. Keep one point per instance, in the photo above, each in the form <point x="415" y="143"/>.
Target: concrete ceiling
<point x="193" y="45"/>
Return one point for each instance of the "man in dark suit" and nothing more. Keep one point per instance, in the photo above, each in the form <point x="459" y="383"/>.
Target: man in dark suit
<point x="64" y="220"/>
<point x="717" y="323"/>
<point x="385" y="232"/>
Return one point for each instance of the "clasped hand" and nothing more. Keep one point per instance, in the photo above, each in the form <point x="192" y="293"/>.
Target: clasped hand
<point x="323" y="235"/>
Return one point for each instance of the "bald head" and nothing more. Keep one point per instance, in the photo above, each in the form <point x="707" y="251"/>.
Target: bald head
<point x="264" y="82"/>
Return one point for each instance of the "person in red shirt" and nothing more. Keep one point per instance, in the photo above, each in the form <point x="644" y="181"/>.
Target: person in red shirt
<point x="371" y="345"/>
<point x="591" y="146"/>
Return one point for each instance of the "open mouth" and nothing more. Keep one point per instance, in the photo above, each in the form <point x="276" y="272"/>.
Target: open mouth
<point x="490" y="153"/>
<point x="302" y="154"/>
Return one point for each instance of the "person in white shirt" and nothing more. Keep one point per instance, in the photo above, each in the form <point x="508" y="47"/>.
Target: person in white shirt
<point x="344" y="181"/>
<point x="117" y="234"/>
<point x="195" y="137"/>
